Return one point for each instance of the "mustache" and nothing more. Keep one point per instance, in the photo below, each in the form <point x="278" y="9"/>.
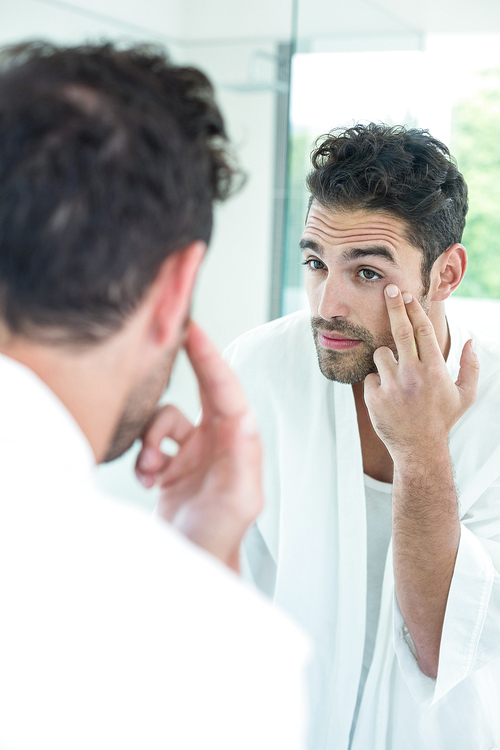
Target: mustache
<point x="341" y="326"/>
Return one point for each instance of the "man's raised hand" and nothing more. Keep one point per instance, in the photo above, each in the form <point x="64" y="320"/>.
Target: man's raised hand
<point x="412" y="401"/>
<point x="211" y="489"/>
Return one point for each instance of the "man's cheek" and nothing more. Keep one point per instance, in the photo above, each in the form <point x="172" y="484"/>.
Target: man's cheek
<point x="378" y="323"/>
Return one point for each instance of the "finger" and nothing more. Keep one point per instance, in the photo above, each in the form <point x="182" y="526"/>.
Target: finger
<point x="219" y="445"/>
<point x="401" y="326"/>
<point x="225" y="500"/>
<point x="149" y="479"/>
<point x="371" y="383"/>
<point x="231" y="481"/>
<point x="425" y="336"/>
<point x="246" y="455"/>
<point x="167" y="422"/>
<point x="468" y="374"/>
<point x="385" y="362"/>
<point x="220" y="392"/>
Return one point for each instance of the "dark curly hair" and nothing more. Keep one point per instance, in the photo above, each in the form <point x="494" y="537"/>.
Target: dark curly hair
<point x="403" y="172"/>
<point x="110" y="159"/>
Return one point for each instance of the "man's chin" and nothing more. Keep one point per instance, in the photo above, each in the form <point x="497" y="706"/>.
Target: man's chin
<point x="345" y="379"/>
<point x="345" y="373"/>
<point x="140" y="407"/>
<point x="118" y="449"/>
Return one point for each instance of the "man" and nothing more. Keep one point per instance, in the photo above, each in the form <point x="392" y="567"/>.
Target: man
<point x="117" y="632"/>
<point x="403" y="602"/>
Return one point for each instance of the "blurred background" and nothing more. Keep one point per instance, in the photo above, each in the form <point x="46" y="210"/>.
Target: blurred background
<point x="286" y="72"/>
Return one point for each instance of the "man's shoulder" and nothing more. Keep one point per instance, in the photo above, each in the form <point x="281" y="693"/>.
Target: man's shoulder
<point x="211" y="583"/>
<point x="194" y="583"/>
<point x="488" y="352"/>
<point x="110" y="545"/>
<point x="140" y="601"/>
<point x="201" y="612"/>
<point x="487" y="348"/>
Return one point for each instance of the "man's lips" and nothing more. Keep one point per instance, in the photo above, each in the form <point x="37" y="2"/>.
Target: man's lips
<point x="333" y="340"/>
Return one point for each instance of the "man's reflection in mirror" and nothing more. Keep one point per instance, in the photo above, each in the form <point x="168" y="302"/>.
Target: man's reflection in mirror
<point x="381" y="532"/>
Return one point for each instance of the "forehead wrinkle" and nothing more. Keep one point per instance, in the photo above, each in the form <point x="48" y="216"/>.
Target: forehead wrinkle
<point x="353" y="235"/>
<point x="352" y="218"/>
<point x="355" y="227"/>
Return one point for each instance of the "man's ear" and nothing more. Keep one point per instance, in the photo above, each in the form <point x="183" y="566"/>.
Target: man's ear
<point x="447" y="272"/>
<point x="171" y="292"/>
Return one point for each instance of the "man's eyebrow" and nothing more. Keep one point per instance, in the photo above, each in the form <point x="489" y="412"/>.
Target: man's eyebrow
<point x="311" y="245"/>
<point x="379" y="251"/>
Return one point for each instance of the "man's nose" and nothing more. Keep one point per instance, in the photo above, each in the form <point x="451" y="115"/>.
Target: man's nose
<point x="333" y="302"/>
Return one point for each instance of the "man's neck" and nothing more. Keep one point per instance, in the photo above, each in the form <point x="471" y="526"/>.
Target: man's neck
<point x="86" y="383"/>
<point x="437" y="317"/>
<point x="377" y="462"/>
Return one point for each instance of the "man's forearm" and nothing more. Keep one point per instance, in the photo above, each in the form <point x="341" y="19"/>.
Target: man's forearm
<point x="426" y="534"/>
<point x="413" y="404"/>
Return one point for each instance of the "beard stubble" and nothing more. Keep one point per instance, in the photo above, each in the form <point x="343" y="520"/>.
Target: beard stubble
<point x="348" y="367"/>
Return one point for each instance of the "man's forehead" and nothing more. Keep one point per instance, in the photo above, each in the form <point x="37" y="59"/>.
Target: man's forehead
<point x="325" y="226"/>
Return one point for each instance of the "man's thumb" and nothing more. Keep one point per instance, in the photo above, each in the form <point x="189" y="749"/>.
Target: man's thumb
<point x="468" y="374"/>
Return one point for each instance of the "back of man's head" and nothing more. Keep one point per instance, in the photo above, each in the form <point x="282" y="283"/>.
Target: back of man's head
<point x="110" y="160"/>
<point x="396" y="170"/>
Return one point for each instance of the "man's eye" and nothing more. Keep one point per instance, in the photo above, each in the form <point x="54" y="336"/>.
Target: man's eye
<point x="313" y="263"/>
<point x="368" y="275"/>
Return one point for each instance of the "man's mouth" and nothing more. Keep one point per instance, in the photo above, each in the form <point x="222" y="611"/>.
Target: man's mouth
<point x="337" y="341"/>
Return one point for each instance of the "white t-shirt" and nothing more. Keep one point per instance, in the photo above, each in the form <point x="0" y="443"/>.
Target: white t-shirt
<point x="378" y="532"/>
<point x="116" y="633"/>
<point x="378" y="535"/>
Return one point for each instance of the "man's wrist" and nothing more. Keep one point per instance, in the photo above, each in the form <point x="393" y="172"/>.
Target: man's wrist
<point x="424" y="485"/>
<point x="422" y="455"/>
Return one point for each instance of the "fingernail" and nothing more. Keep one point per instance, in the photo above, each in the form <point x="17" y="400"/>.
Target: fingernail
<point x="147" y="460"/>
<point x="249" y="426"/>
<point x="473" y="346"/>
<point x="392" y="290"/>
<point x="147" y="480"/>
<point x="407" y="298"/>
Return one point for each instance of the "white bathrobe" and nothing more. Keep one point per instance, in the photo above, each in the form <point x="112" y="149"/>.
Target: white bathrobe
<point x="117" y="633"/>
<point x="308" y="551"/>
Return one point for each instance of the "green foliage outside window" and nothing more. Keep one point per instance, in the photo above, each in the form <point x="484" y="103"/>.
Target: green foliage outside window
<point x="475" y="143"/>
